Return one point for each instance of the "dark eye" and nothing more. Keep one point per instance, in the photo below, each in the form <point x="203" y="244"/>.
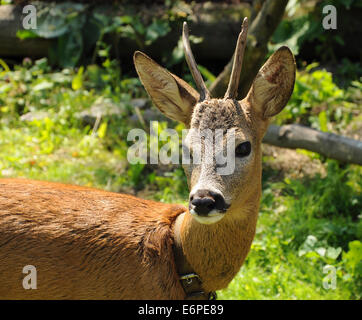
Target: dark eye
<point x="243" y="149"/>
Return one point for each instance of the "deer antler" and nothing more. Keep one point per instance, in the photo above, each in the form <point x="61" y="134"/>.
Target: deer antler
<point x="204" y="92"/>
<point x="232" y="89"/>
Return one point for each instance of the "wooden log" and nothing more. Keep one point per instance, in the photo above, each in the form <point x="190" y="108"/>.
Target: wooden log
<point x="291" y="136"/>
<point x="217" y="23"/>
<point x="327" y="144"/>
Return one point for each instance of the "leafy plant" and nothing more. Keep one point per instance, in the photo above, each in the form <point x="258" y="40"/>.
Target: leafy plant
<point x="304" y="27"/>
<point x="353" y="263"/>
<point x="318" y="102"/>
<point x="77" y="28"/>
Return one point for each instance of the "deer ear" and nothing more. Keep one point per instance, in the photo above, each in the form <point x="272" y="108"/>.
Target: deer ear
<point x="273" y="84"/>
<point x="171" y="95"/>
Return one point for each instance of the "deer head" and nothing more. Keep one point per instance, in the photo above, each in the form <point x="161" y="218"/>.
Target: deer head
<point x="214" y="196"/>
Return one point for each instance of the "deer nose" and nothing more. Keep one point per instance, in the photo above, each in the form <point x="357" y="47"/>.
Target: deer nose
<point x="204" y="201"/>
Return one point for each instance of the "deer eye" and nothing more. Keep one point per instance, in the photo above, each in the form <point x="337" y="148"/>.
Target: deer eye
<point x="243" y="149"/>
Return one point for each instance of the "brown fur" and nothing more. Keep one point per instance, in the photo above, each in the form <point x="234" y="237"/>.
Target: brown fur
<point x="85" y="243"/>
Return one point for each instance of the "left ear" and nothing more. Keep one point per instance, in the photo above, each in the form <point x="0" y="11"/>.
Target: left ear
<point x="171" y="95"/>
<point x="273" y="84"/>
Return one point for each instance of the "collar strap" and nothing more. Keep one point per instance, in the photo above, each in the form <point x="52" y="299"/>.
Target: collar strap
<point x="192" y="285"/>
<point x="190" y="281"/>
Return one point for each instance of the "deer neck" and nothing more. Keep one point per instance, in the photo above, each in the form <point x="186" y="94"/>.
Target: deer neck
<point x="216" y="252"/>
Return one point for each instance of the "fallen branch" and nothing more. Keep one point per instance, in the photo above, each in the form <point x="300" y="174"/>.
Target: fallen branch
<point x="328" y="144"/>
<point x="291" y="136"/>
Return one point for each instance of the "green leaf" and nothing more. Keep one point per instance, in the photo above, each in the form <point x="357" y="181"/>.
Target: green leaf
<point x="206" y="73"/>
<point x="321" y="251"/>
<point x="55" y="20"/>
<point x="69" y="49"/>
<point x="290" y="33"/>
<point x="51" y="25"/>
<point x="43" y="86"/>
<point x="308" y="245"/>
<point x="177" y="54"/>
<point x="312" y="254"/>
<point x="77" y="82"/>
<point x="353" y="258"/>
<point x="347" y="3"/>
<point x="156" y="30"/>
<point x="124" y="19"/>
<point x="322" y="117"/>
<point x="26" y="34"/>
<point x="4" y="66"/>
<point x="311" y="66"/>
<point x="127" y="31"/>
<point x="339" y="40"/>
<point x="333" y="253"/>
<point x="102" y="130"/>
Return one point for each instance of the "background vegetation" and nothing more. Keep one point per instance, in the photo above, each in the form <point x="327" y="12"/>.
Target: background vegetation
<point x="310" y="214"/>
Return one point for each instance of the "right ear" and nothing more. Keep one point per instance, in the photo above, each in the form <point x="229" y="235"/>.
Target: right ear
<point x="273" y="84"/>
<point x="171" y="95"/>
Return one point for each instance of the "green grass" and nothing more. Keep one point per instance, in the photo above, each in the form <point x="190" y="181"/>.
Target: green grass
<point x="304" y="225"/>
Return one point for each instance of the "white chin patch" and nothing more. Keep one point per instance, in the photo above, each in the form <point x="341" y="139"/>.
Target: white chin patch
<point x="212" y="217"/>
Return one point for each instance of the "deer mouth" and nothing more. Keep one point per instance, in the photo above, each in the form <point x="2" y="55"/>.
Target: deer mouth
<point x="213" y="216"/>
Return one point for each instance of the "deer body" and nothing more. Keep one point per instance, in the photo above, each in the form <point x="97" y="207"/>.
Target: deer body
<point x="85" y="243"/>
<point x="93" y="244"/>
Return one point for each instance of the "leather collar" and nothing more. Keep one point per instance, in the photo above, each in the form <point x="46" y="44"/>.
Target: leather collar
<point x="190" y="280"/>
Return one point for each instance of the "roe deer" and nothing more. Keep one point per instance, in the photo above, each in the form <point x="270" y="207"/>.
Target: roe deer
<point x="91" y="244"/>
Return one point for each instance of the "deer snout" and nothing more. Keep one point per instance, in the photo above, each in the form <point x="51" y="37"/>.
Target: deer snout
<point x="205" y="202"/>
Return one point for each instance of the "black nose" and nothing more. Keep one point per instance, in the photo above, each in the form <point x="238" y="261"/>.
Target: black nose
<point x="204" y="201"/>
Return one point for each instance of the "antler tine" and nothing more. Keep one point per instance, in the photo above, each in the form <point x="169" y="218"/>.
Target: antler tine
<point x="231" y="92"/>
<point x="204" y="92"/>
